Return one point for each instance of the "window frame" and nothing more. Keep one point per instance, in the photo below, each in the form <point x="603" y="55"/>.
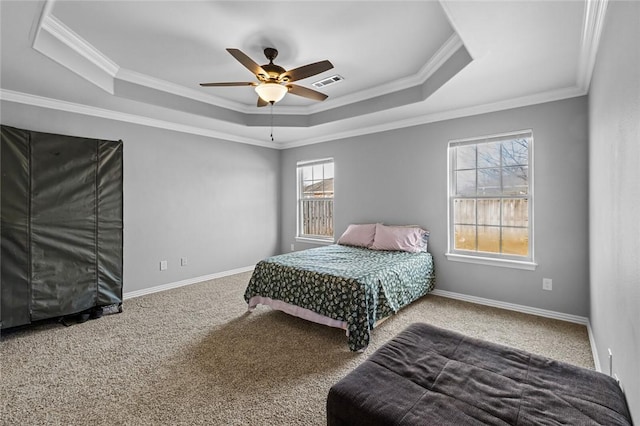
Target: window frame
<point x="300" y="236"/>
<point x="480" y="257"/>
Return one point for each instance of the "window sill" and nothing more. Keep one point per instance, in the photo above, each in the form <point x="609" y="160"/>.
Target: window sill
<point x="503" y="263"/>
<point x="319" y="241"/>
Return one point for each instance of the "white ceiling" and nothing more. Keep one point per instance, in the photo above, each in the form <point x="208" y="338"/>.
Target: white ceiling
<point x="404" y="62"/>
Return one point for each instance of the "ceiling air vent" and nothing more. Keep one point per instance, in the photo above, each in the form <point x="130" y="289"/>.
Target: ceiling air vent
<point x="327" y="81"/>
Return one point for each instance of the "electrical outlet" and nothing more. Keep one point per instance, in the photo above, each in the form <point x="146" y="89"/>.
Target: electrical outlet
<point x="183" y="261"/>
<point x="293" y="247"/>
<point x="547" y="284"/>
<point x="163" y="265"/>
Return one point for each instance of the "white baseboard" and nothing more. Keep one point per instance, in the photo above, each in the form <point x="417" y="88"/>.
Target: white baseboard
<point x="529" y="310"/>
<point x="594" y="349"/>
<point x="513" y="307"/>
<point x="195" y="280"/>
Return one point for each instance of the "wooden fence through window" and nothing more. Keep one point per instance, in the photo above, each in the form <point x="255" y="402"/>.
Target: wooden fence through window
<point x="317" y="217"/>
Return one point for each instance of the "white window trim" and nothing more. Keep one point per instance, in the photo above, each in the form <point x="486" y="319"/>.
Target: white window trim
<point x="490" y="261"/>
<point x="320" y="240"/>
<point x="480" y="258"/>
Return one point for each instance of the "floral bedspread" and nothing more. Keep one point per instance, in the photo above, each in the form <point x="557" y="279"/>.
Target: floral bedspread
<point x="351" y="284"/>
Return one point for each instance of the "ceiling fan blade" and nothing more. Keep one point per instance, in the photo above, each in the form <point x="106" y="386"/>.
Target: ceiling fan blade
<point x="306" y="93"/>
<point x="231" y="83"/>
<point x="247" y="62"/>
<point x="262" y="102"/>
<point x="306" y="71"/>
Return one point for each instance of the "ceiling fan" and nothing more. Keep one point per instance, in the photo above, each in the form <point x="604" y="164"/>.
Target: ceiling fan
<point x="274" y="81"/>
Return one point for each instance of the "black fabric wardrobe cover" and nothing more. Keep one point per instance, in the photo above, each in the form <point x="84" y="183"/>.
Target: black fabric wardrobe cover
<point x="61" y="225"/>
<point x="14" y="228"/>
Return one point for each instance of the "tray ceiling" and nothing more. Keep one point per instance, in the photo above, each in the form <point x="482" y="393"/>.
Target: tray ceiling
<point x="403" y="62"/>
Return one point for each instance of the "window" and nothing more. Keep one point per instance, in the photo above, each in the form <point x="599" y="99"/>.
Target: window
<point x="315" y="199"/>
<point x="491" y="200"/>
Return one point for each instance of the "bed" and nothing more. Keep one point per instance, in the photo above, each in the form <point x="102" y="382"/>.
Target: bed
<point x="342" y="286"/>
<point x="432" y="376"/>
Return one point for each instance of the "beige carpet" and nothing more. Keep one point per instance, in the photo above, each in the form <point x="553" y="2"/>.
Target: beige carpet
<point x="193" y="355"/>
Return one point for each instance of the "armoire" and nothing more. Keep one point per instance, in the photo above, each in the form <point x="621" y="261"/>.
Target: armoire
<point x="62" y="225"/>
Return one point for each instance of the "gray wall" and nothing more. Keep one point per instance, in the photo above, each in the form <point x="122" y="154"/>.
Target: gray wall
<point x="214" y="202"/>
<point x="614" y="149"/>
<point x="400" y="177"/>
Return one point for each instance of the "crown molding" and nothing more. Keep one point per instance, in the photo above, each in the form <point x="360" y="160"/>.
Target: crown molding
<point x="592" y="27"/>
<point x="111" y="70"/>
<point x="59" y="30"/>
<point x="47" y="6"/>
<point x="176" y="89"/>
<point x="538" y="98"/>
<point x="92" y="111"/>
<point x="445" y="52"/>
<point x="55" y="104"/>
<point x="59" y="43"/>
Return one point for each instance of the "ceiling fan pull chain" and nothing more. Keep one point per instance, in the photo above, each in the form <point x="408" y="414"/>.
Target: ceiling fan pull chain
<point x="271" y="121"/>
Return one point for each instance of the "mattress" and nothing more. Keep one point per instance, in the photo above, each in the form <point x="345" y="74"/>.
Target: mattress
<point x="431" y="376"/>
<point x="352" y="286"/>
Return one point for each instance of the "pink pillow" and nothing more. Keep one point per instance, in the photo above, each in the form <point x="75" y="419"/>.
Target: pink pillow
<point x="358" y="235"/>
<point x="399" y="238"/>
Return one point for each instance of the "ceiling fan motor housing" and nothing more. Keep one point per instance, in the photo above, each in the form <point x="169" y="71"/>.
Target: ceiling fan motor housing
<point x="272" y="69"/>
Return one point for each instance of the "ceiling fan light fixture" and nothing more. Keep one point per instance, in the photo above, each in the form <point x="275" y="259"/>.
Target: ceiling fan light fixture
<point x="271" y="92"/>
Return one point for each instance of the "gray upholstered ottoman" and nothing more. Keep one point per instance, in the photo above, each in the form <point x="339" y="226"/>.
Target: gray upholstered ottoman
<point x="431" y="376"/>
